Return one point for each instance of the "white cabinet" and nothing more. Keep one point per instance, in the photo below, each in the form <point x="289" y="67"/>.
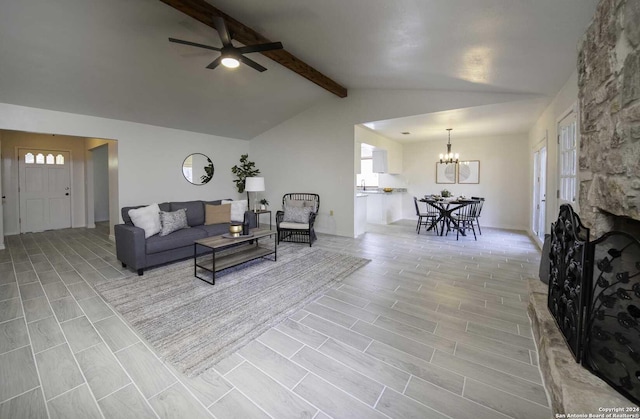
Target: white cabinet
<point x="361" y="214"/>
<point x="380" y="161"/>
<point x="384" y="208"/>
<point x="387" y="161"/>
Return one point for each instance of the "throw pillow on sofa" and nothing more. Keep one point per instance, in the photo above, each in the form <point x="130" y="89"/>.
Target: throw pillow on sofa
<point x="217" y="214"/>
<point x="147" y="218"/>
<point x="297" y="214"/>
<point x="238" y="208"/>
<point x="173" y="221"/>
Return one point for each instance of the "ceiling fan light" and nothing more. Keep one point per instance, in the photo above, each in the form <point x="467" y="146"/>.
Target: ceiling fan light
<point x="230" y="62"/>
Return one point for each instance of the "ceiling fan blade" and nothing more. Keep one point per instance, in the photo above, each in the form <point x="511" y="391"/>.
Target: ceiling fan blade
<point x="221" y="26"/>
<point x="252" y="64"/>
<point x="260" y="47"/>
<point x="193" y="44"/>
<point x="215" y="63"/>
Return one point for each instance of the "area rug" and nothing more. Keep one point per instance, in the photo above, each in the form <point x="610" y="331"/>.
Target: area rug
<point x="193" y="325"/>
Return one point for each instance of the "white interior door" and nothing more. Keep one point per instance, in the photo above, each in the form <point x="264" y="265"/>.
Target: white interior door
<point x="45" y="190"/>
<point x="539" y="192"/>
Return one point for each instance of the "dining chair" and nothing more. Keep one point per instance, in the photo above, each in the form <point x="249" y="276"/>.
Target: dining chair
<point x="465" y="217"/>
<point x="478" y="211"/>
<point x="427" y="218"/>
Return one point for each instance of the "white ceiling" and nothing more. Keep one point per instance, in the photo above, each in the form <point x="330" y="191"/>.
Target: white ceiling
<point x="112" y="58"/>
<point x="476" y="122"/>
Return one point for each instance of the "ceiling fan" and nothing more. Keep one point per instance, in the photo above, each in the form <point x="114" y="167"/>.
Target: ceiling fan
<point x="231" y="56"/>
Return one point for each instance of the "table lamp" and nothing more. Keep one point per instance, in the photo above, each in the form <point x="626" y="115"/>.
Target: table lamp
<point x="254" y="184"/>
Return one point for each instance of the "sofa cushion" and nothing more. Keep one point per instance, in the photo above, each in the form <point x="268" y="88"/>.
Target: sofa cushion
<point x="217" y="214"/>
<point x="195" y="211"/>
<point x="238" y="208"/>
<point x="180" y="238"/>
<point x="214" y="229"/>
<point x="297" y="214"/>
<point x="147" y="218"/>
<point x="125" y="211"/>
<point x="173" y="221"/>
<point x="294" y="226"/>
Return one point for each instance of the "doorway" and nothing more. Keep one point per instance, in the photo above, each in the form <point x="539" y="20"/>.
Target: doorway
<point x="45" y="189"/>
<point x="100" y="158"/>
<point x="539" y="190"/>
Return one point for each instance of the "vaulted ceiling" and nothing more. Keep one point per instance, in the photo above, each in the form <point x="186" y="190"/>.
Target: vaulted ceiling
<point x="112" y="58"/>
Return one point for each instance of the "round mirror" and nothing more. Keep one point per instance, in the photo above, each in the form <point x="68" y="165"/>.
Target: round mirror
<point x="197" y="169"/>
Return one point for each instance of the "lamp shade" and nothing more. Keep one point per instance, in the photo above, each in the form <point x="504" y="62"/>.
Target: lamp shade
<point x="254" y="184"/>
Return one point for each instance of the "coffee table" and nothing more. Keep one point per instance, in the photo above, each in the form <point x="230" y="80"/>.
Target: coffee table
<point x="228" y="252"/>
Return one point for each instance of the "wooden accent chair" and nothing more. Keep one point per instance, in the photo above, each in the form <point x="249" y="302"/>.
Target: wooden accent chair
<point x="295" y="222"/>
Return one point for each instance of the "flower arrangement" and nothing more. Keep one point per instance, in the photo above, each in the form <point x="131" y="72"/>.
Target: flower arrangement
<point x="445" y="193"/>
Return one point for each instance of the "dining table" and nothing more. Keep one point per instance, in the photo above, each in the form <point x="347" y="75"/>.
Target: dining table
<point x="445" y="208"/>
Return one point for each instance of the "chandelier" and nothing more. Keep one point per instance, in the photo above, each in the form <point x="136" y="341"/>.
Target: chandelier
<point x="449" y="157"/>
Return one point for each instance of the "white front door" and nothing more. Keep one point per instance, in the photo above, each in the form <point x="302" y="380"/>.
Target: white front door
<point x="45" y="190"/>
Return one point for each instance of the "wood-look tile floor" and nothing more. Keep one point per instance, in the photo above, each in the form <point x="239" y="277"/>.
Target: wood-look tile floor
<point x="430" y="328"/>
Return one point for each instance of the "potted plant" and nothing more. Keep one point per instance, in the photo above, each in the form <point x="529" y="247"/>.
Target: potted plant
<point x="263" y="204"/>
<point x="246" y="169"/>
<point x="445" y="193"/>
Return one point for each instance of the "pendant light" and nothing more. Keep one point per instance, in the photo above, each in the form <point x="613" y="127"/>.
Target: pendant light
<point x="449" y="157"/>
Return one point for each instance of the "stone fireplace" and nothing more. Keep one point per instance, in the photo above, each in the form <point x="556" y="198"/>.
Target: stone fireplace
<point x="609" y="95"/>
<point x="609" y="192"/>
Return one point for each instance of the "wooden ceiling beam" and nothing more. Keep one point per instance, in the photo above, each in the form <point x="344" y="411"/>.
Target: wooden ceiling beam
<point x="204" y="12"/>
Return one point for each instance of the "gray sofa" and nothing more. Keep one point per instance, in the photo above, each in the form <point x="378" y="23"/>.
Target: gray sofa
<point x="138" y="253"/>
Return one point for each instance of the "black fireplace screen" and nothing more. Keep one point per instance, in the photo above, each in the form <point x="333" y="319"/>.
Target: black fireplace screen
<point x="594" y="296"/>
<point x="566" y="288"/>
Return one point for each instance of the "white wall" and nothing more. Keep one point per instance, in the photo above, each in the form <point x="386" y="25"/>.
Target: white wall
<point x="503" y="176"/>
<point x="100" y="157"/>
<point x="314" y="151"/>
<point x="11" y="141"/>
<point x="1" y="200"/>
<point x="547" y="127"/>
<point x="149" y="157"/>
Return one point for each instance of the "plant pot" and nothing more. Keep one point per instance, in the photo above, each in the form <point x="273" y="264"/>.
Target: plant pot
<point x="263" y="207"/>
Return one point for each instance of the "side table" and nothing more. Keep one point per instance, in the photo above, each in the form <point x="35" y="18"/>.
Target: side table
<point x="258" y="213"/>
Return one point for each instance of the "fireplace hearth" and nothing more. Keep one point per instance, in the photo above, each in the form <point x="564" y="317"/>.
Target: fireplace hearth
<point x="594" y="297"/>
